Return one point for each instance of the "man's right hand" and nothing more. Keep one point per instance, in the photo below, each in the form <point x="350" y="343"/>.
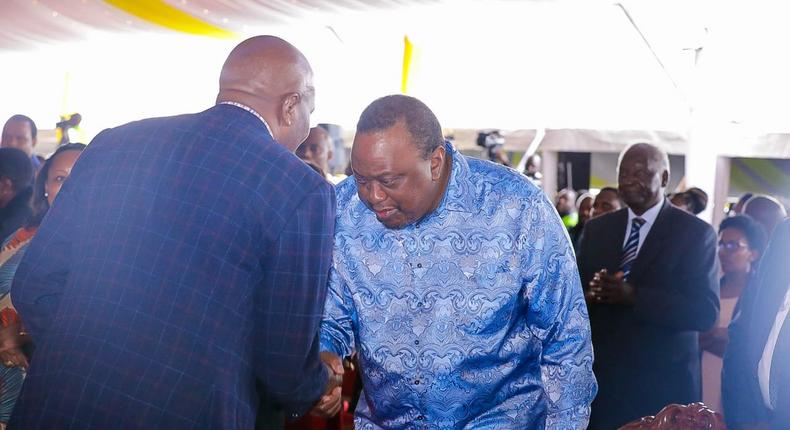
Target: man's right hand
<point x="329" y="404"/>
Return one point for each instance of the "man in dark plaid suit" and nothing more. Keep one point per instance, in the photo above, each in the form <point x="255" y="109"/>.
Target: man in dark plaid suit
<point x="181" y="275"/>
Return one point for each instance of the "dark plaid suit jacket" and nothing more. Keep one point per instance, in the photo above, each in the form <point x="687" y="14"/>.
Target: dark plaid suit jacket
<point x="185" y="259"/>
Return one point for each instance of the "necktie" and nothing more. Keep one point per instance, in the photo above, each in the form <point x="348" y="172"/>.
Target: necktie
<point x="631" y="247"/>
<point x="779" y="362"/>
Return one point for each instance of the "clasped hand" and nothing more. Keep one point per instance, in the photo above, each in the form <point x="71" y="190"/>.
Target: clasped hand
<point x="11" y="341"/>
<point x="610" y="289"/>
<point x="329" y="404"/>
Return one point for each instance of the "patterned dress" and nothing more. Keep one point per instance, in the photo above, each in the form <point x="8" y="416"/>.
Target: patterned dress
<point x="11" y="254"/>
<point x="472" y="317"/>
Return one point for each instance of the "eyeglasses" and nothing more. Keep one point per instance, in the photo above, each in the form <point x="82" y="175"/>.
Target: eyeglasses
<point x="732" y="246"/>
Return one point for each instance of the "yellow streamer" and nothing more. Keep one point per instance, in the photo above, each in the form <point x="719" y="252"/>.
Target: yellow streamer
<point x="408" y="49"/>
<point x="160" y="13"/>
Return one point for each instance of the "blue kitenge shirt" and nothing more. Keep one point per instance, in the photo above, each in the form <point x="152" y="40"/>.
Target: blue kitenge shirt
<point x="471" y="318"/>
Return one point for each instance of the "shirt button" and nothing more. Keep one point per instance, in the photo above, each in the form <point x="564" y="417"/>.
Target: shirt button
<point x="419" y="304"/>
<point x="419" y="265"/>
<point x="416" y="382"/>
<point x="420" y="417"/>
<point x="416" y="342"/>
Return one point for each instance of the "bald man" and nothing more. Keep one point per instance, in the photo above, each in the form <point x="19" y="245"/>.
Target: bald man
<point x="181" y="277"/>
<point x="766" y="210"/>
<point x="650" y="274"/>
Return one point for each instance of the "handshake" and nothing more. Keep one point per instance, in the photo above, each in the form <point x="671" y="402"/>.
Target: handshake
<point x="329" y="404"/>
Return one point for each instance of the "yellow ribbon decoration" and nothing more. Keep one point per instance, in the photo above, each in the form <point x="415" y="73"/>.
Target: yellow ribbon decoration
<point x="160" y="13"/>
<point x="408" y="49"/>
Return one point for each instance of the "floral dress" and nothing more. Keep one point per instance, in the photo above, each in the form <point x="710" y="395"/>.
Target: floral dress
<point x="11" y="254"/>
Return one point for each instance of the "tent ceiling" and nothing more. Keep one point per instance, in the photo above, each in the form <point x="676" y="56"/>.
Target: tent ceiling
<point x="559" y="64"/>
<point x="25" y="24"/>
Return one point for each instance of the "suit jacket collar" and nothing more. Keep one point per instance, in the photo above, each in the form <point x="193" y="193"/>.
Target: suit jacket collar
<point x="244" y="113"/>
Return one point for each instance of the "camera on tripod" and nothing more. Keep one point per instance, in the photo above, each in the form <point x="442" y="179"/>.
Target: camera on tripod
<point x="493" y="142"/>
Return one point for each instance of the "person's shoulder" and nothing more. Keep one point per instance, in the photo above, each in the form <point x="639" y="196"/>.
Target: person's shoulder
<point x="687" y="221"/>
<point x="607" y="220"/>
<point x="491" y="176"/>
<point x="214" y="119"/>
<point x="345" y="193"/>
<point x="145" y="124"/>
<point x="782" y="231"/>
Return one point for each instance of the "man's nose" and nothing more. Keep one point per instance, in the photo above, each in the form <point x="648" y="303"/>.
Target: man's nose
<point x="376" y="194"/>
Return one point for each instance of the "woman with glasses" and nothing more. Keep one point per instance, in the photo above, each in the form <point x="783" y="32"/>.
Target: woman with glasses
<point x="741" y="243"/>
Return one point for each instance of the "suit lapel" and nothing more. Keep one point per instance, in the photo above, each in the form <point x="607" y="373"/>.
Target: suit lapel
<point x="653" y="242"/>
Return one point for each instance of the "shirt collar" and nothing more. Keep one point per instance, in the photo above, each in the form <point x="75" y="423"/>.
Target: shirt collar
<point x="460" y="193"/>
<point x="650" y="215"/>
<point x="252" y="111"/>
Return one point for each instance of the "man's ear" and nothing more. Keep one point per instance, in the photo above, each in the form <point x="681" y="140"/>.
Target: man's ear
<point x="6" y="187"/>
<point x="665" y="179"/>
<point x="437" y="162"/>
<point x="288" y="108"/>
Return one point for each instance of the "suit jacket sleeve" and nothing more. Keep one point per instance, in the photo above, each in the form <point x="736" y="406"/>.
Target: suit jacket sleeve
<point x="290" y="304"/>
<point x="691" y="301"/>
<point x="740" y="390"/>
<point x="44" y="271"/>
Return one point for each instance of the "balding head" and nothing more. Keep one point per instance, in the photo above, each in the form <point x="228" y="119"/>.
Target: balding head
<point x="643" y="174"/>
<point x="273" y="78"/>
<point x="765" y="210"/>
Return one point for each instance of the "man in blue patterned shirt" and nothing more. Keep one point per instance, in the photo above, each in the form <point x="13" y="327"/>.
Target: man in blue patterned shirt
<point x="455" y="281"/>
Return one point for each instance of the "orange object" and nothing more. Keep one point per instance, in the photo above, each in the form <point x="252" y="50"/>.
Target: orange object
<point x="8" y="316"/>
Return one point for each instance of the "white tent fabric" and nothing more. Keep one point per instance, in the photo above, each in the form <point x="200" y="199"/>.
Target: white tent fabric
<point x="478" y="64"/>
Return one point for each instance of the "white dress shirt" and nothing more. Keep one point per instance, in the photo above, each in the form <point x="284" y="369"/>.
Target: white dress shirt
<point x="764" y="367"/>
<point x="650" y="218"/>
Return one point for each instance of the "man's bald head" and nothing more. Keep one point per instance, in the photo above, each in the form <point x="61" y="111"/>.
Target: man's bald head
<point x="651" y="152"/>
<point x="273" y="78"/>
<point x="766" y="210"/>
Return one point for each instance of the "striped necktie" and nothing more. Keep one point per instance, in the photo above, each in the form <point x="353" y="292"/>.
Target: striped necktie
<point x="631" y="247"/>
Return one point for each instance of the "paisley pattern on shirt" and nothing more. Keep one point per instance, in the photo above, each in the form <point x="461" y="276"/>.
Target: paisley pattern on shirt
<point x="473" y="317"/>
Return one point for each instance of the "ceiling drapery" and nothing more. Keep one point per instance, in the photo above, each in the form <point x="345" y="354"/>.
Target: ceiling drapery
<point x="30" y="23"/>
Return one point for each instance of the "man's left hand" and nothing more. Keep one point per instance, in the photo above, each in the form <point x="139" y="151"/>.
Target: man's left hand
<point x="331" y="402"/>
<point x="611" y="289"/>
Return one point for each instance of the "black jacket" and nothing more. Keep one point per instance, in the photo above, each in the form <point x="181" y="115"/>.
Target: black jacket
<point x="647" y="355"/>
<point x="15" y="213"/>
<point x="749" y="330"/>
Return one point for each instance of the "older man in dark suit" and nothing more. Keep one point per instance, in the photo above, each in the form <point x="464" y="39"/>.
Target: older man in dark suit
<point x="186" y="259"/>
<point x="756" y="375"/>
<point x="650" y="272"/>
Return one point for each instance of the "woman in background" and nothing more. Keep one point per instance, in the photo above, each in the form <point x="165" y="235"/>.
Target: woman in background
<point x="14" y="343"/>
<point x="741" y="243"/>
